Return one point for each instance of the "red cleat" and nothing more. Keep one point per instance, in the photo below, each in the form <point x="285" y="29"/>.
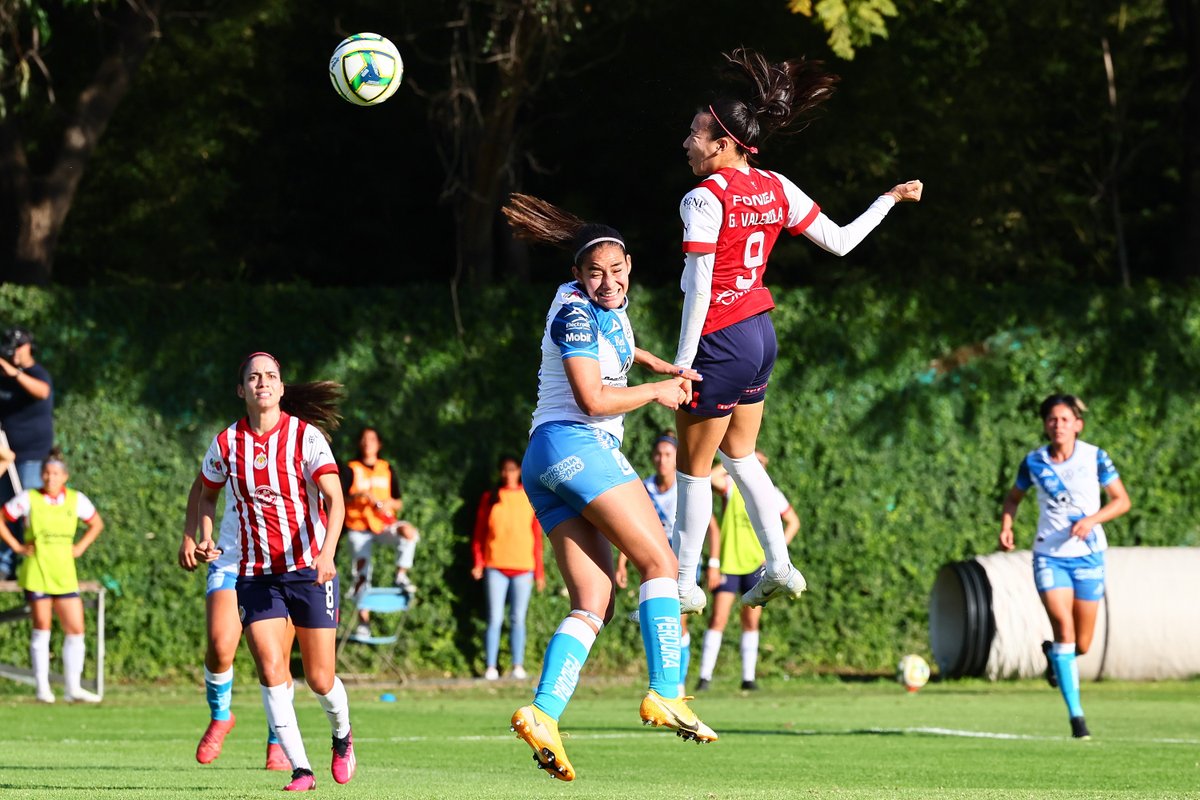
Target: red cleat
<point x="344" y="763"/>
<point x="302" y="781"/>
<point x="210" y="743"/>
<point x="277" y="759"/>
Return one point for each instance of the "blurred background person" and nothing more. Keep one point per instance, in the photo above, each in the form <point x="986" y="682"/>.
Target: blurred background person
<point x="507" y="548"/>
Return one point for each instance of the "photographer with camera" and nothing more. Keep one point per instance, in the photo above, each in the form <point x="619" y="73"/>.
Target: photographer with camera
<point x="26" y="423"/>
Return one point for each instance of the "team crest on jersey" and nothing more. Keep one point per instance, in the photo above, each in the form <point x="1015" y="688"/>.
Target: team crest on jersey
<point x="260" y="461"/>
<point x="265" y="496"/>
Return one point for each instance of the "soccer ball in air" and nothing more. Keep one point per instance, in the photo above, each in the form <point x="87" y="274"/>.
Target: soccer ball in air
<point x="913" y="672"/>
<point x="366" y="69"/>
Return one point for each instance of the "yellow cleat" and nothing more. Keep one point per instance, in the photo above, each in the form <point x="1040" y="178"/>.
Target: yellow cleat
<point x="664" y="712"/>
<point x="541" y="733"/>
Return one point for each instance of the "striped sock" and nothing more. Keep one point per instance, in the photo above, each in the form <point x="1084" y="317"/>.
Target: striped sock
<point x="1067" y="670"/>
<point x="565" y="656"/>
<point x="658" y="612"/>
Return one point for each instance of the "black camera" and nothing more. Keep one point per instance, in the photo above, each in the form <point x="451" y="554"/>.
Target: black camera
<point x="11" y="340"/>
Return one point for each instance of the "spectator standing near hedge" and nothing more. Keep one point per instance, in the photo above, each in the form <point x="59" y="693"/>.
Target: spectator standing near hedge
<point x="27" y="418"/>
<point x="507" y="549"/>
<point x="47" y="573"/>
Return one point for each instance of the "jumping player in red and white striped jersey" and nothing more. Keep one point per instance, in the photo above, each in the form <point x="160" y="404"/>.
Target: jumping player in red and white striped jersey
<point x="289" y="505"/>
<point x="730" y="223"/>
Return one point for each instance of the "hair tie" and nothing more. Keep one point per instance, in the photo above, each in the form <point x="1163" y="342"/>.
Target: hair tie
<point x="671" y="440"/>
<point x="598" y="240"/>
<point x="753" y="150"/>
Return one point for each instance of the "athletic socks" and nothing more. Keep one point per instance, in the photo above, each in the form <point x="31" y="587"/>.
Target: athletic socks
<point x="693" y="511"/>
<point x="39" y="658"/>
<point x="658" y="616"/>
<point x="1067" y="670"/>
<point x="73" y="649"/>
<point x="406" y="550"/>
<point x="337" y="708"/>
<point x="749" y="655"/>
<point x="708" y="653"/>
<point x="272" y="737"/>
<point x="685" y="657"/>
<point x="218" y="690"/>
<point x="761" y="506"/>
<point x="565" y="656"/>
<point x="281" y="716"/>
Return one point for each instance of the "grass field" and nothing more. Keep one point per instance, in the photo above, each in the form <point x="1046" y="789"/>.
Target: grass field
<point x="801" y="738"/>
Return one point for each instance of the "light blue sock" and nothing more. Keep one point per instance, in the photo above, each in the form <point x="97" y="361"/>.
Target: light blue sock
<point x="1067" y="670"/>
<point x="218" y="689"/>
<point x="685" y="656"/>
<point x="658" y="611"/>
<point x="565" y="656"/>
<point x="271" y="737"/>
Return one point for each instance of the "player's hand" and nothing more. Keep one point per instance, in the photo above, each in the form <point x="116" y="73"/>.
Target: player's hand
<point x="187" y="553"/>
<point x="541" y="584"/>
<point x="1082" y="529"/>
<point x="207" y="551"/>
<point x="325" y="570"/>
<point x="78" y="549"/>
<point x="477" y="573"/>
<point x="909" y="191"/>
<point x="670" y="394"/>
<point x="25" y="549"/>
<point x="1006" y="540"/>
<point x="713" y="576"/>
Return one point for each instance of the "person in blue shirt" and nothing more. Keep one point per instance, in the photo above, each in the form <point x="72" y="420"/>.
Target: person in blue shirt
<point x="1068" y="549"/>
<point x="585" y="494"/>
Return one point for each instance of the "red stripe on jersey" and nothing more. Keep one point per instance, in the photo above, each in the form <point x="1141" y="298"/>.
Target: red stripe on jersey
<point x="700" y="247"/>
<point x="802" y="226"/>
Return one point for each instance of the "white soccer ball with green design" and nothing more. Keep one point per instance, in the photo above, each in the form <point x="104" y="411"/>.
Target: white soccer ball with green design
<point x="913" y="672"/>
<point x="366" y="69"/>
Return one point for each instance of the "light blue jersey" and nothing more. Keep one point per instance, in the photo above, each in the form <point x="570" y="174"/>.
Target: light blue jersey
<point x="577" y="327"/>
<point x="664" y="503"/>
<point x="1067" y="492"/>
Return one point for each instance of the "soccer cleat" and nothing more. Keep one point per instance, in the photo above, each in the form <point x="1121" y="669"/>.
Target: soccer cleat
<point x="749" y="686"/>
<point x="665" y="712"/>
<point x="344" y="763"/>
<point x="303" y="780"/>
<point x="541" y="733"/>
<point x="1079" y="728"/>
<point x="1051" y="675"/>
<point x="518" y="673"/>
<point x="210" y="743"/>
<point x="769" y="588"/>
<point x="702" y="685"/>
<point x="692" y="601"/>
<point x="81" y="696"/>
<point x="45" y="695"/>
<point x="277" y="760"/>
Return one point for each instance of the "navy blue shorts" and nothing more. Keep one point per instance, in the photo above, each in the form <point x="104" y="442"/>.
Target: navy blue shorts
<point x="31" y="596"/>
<point x="738" y="584"/>
<point x="736" y="363"/>
<point x="292" y="594"/>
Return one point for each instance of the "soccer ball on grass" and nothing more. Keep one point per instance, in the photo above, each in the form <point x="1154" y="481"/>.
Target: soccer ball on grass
<point x="913" y="672"/>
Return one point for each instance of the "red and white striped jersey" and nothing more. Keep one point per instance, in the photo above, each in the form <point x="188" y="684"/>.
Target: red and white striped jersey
<point x="738" y="216"/>
<point x="273" y="478"/>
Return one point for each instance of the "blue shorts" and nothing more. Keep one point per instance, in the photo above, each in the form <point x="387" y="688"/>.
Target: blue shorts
<point x="1085" y="574"/>
<point x="292" y="594"/>
<point x="31" y="596"/>
<point x="736" y="363"/>
<point x="738" y="584"/>
<point x="568" y="465"/>
<point x="220" y="578"/>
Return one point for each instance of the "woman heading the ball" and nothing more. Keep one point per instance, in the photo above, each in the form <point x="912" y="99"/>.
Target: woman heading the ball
<point x="1068" y="550"/>
<point x="289" y="505"/>
<point x="586" y="495"/>
<point x="730" y="223"/>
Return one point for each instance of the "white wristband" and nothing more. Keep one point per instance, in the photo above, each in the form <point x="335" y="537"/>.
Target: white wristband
<point x="714" y="563"/>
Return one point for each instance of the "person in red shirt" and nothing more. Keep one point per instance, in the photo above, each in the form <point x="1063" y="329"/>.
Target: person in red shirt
<point x="507" y="546"/>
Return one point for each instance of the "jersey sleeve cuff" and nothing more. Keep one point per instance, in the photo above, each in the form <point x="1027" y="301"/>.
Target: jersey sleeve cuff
<point x="325" y="469"/>
<point x="700" y="247"/>
<point x="801" y="226"/>
<point x="211" y="483"/>
<point x="9" y="517"/>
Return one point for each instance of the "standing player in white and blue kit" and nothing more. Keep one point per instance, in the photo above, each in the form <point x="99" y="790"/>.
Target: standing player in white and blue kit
<point x="1068" y="551"/>
<point x="730" y="223"/>
<point x="585" y="493"/>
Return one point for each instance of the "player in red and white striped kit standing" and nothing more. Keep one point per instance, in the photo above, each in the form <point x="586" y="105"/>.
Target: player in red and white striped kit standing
<point x="289" y="505"/>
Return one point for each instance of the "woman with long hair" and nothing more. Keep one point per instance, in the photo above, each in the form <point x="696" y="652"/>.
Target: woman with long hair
<point x="730" y="222"/>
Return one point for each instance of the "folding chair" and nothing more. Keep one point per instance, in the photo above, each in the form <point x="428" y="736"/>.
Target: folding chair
<point x="376" y="600"/>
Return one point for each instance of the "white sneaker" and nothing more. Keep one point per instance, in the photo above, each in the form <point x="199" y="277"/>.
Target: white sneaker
<point x="81" y="696"/>
<point x="518" y="673"/>
<point x="362" y="632"/>
<point x="768" y="588"/>
<point x="693" y="601"/>
<point x="45" y="695"/>
<point x="492" y="674"/>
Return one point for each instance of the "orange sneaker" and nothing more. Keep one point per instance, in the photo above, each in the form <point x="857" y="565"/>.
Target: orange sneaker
<point x="277" y="760"/>
<point x="213" y="738"/>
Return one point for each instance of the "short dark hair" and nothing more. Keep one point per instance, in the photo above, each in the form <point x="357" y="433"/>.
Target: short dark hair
<point x="1069" y="400"/>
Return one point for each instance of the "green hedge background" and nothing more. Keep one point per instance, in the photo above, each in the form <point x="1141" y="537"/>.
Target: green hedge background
<point x="895" y="422"/>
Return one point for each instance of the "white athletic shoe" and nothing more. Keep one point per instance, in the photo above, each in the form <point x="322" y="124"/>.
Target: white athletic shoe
<point x="492" y="674"/>
<point x="45" y="695"/>
<point x="694" y="601"/>
<point x="518" y="673"/>
<point x="81" y="696"/>
<point x="768" y="588"/>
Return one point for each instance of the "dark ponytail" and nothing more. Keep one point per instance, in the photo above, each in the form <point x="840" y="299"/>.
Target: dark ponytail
<point x="534" y="220"/>
<point x="317" y="403"/>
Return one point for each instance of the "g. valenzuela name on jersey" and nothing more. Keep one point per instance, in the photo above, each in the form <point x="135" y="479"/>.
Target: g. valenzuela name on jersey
<point x="772" y="215"/>
<point x="576" y="327"/>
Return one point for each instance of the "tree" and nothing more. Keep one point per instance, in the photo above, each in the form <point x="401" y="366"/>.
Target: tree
<point x="38" y="180"/>
<point x="851" y="23"/>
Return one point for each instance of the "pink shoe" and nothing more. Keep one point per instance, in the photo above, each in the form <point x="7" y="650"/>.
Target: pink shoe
<point x="302" y="781"/>
<point x="213" y="738"/>
<point x="277" y="759"/>
<point x="344" y="763"/>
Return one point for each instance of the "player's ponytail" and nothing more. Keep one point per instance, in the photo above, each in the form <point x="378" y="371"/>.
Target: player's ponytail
<point x="774" y="97"/>
<point x="317" y="403"/>
<point x="534" y="220"/>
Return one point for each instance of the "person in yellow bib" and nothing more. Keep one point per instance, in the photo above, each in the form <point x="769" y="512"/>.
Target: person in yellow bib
<point x="47" y="574"/>
<point x="736" y="570"/>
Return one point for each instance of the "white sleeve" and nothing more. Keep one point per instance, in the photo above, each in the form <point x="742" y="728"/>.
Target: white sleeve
<point x="840" y="240"/>
<point x="697" y="291"/>
<point x="318" y="457"/>
<point x="17" y="507"/>
<point x="83" y="507"/>
<point x="213" y="469"/>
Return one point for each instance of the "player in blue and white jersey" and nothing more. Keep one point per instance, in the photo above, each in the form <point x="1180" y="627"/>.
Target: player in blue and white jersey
<point x="1068" y="550"/>
<point x="585" y="494"/>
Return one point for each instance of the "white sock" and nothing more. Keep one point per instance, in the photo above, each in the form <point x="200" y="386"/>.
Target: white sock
<point x="218" y="677"/>
<point x="405" y="550"/>
<point x="693" y="511"/>
<point x="337" y="708"/>
<point x="39" y="657"/>
<point x="762" y="507"/>
<point x="749" y="654"/>
<point x="73" y="649"/>
<point x="708" y="654"/>
<point x="281" y="715"/>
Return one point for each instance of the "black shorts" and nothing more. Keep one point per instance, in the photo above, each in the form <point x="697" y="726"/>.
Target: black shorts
<point x="738" y="584"/>
<point x="736" y="363"/>
<point x="292" y="594"/>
